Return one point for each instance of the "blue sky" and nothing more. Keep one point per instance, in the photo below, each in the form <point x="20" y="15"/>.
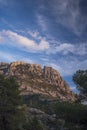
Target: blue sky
<point x="47" y="32"/>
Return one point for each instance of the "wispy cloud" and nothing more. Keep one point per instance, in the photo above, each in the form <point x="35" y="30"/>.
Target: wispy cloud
<point x="66" y="48"/>
<point x="65" y="12"/>
<point x="68" y="13"/>
<point x="42" y="21"/>
<point x="5" y="56"/>
<point x="35" y="35"/>
<point x="9" y="57"/>
<point x="25" y="42"/>
<point x="67" y="66"/>
<point x="7" y="23"/>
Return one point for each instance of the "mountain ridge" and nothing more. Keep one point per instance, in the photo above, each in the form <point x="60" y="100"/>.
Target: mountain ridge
<point x="33" y="79"/>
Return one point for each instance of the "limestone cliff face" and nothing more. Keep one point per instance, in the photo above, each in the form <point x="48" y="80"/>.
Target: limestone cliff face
<point x="34" y="79"/>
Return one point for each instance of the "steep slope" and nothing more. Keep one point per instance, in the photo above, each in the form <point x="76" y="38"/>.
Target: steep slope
<point x="33" y="79"/>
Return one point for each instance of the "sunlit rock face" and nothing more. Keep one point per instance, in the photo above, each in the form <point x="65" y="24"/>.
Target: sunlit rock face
<point x="33" y="79"/>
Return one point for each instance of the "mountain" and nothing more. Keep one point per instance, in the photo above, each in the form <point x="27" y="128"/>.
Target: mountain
<point x="33" y="79"/>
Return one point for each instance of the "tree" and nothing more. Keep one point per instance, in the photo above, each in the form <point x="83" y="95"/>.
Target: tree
<point x="80" y="79"/>
<point x="33" y="124"/>
<point x="10" y="100"/>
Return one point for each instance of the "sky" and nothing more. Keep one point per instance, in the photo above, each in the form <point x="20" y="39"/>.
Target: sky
<point x="47" y="32"/>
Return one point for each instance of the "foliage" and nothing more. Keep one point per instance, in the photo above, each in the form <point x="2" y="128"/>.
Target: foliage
<point x="33" y="124"/>
<point x="80" y="79"/>
<point x="10" y="100"/>
<point x="74" y="114"/>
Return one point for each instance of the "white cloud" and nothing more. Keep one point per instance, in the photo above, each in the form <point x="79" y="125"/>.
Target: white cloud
<point x="25" y="42"/>
<point x="66" y="48"/>
<point x="15" y="39"/>
<point x="35" y="34"/>
<point x="73" y="48"/>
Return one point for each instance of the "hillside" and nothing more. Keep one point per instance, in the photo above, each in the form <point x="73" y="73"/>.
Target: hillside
<point x="33" y="79"/>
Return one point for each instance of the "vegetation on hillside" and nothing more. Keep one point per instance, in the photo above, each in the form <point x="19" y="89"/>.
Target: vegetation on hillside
<point x="74" y="114"/>
<point x="66" y="115"/>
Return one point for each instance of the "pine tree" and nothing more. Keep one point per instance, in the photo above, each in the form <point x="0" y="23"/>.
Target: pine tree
<point x="80" y="79"/>
<point x="10" y="102"/>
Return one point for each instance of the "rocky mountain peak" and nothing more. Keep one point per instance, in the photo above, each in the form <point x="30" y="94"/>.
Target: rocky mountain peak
<point x="35" y="79"/>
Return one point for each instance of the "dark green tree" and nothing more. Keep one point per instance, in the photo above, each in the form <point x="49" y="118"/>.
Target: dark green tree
<point x="80" y="79"/>
<point x="33" y="124"/>
<point x="10" y="104"/>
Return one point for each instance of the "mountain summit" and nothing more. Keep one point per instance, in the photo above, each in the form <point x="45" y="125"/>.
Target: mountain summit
<point x="33" y="79"/>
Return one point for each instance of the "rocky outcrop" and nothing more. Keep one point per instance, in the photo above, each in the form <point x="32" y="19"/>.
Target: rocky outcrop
<point x="35" y="79"/>
<point x="48" y="122"/>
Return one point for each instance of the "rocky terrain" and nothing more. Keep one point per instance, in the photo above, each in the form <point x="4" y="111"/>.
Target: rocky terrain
<point x="33" y="79"/>
<point x="48" y="122"/>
